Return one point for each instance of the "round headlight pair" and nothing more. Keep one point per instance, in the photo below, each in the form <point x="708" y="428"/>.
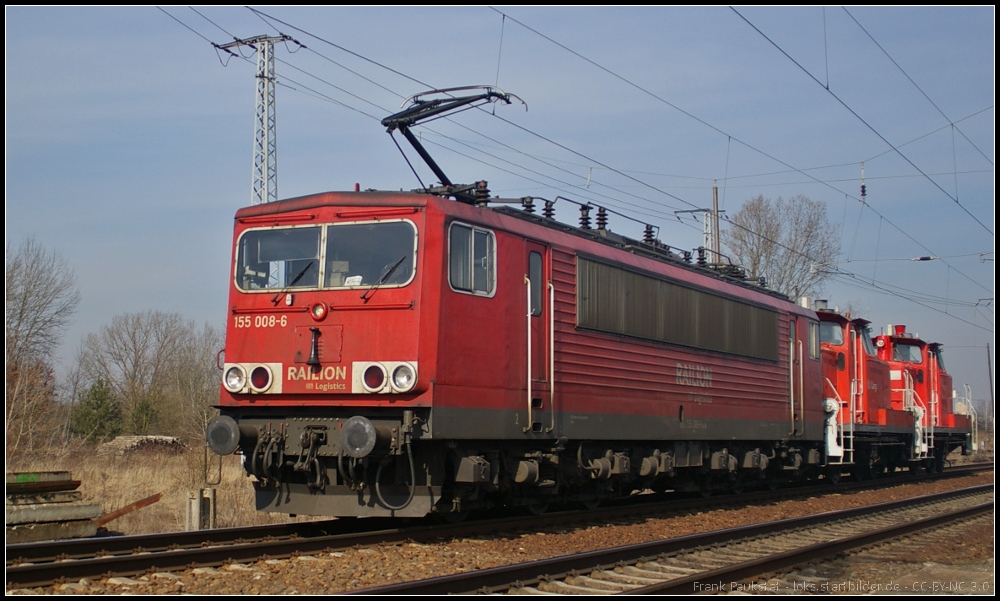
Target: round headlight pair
<point x="235" y="378"/>
<point x="403" y="378"/>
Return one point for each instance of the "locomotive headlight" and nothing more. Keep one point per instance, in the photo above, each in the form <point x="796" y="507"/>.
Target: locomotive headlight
<point x="374" y="378"/>
<point x="317" y="311"/>
<point x="235" y="379"/>
<point x="403" y="378"/>
<point x="260" y="378"/>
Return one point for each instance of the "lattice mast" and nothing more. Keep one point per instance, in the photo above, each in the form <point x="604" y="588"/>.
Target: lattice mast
<point x="265" y="152"/>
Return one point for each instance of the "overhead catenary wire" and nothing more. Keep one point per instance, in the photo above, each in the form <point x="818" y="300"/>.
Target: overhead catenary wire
<point x="563" y="184"/>
<point x="864" y="122"/>
<point x="718" y="130"/>
<point x="916" y="85"/>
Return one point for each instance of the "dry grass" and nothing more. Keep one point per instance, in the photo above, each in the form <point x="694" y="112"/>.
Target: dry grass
<point x="114" y="482"/>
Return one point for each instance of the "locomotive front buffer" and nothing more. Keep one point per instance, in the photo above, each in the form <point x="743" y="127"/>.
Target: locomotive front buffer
<point x="297" y="449"/>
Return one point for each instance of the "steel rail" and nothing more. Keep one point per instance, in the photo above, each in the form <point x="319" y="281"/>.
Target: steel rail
<point x="642" y="505"/>
<point x="749" y="569"/>
<point x="33" y="564"/>
<point x="496" y="579"/>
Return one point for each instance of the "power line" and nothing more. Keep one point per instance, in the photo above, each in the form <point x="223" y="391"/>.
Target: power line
<point x="919" y="89"/>
<point x="862" y="120"/>
<point x="548" y="140"/>
<point x="713" y="128"/>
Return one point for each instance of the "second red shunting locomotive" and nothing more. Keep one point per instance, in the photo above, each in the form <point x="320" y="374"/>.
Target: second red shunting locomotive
<point x="401" y="354"/>
<point x="895" y="396"/>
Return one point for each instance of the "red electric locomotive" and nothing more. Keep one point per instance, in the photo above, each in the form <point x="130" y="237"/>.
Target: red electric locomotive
<point x="392" y="353"/>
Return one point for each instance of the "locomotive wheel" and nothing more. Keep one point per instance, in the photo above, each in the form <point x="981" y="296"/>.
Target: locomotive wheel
<point x="591" y="504"/>
<point x="773" y="479"/>
<point x="456" y="517"/>
<point x="833" y="474"/>
<point x="867" y="467"/>
<point x="705" y="486"/>
<point x="940" y="462"/>
<point x="538" y="507"/>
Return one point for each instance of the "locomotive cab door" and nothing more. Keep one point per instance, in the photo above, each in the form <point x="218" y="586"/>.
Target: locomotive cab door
<point x="539" y="328"/>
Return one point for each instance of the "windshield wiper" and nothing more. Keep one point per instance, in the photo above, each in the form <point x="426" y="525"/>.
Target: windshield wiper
<point x="294" y="281"/>
<point x="371" y="291"/>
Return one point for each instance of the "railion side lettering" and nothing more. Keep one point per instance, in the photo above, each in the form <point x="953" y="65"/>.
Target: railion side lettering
<point x="694" y="375"/>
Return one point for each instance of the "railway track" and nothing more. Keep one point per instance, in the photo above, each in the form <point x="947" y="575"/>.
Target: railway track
<point x="41" y="564"/>
<point x="722" y="561"/>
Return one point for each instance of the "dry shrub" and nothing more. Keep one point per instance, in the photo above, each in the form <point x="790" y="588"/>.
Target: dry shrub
<point x="114" y="481"/>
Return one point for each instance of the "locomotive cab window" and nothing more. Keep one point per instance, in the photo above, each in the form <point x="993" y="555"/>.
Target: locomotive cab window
<point x="276" y="259"/>
<point x="866" y="341"/>
<point x="909" y="353"/>
<point x="369" y="253"/>
<point x="831" y="332"/>
<point x="471" y="259"/>
<point x="939" y="356"/>
<point x="535" y="277"/>
<point x="343" y="255"/>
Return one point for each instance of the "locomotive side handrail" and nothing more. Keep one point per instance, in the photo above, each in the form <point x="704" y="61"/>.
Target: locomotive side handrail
<point x="791" y="376"/>
<point x="802" y="389"/>
<point x="527" y="283"/>
<point x="923" y="437"/>
<point x="845" y="430"/>
<point x="552" y="355"/>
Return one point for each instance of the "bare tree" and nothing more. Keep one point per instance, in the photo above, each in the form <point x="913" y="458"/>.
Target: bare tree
<point x="194" y="388"/>
<point x="781" y="241"/>
<point x="161" y="369"/>
<point x="134" y="355"/>
<point x="41" y="297"/>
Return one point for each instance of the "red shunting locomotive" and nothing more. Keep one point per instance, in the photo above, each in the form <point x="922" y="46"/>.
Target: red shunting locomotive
<point x="400" y="354"/>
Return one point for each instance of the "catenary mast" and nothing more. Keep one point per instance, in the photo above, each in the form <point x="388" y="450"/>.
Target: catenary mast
<point x="265" y="152"/>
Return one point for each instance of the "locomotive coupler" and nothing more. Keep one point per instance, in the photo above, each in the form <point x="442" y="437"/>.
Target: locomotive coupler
<point x="269" y="454"/>
<point x="346" y="472"/>
<point x="312" y="439"/>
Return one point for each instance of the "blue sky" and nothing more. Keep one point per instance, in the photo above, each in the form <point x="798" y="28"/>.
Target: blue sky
<point x="129" y="137"/>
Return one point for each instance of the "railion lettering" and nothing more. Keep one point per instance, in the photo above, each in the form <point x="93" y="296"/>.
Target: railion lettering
<point x="689" y="374"/>
<point x="329" y="372"/>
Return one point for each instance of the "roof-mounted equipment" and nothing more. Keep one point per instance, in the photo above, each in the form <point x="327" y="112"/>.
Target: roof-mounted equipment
<point x="422" y="109"/>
